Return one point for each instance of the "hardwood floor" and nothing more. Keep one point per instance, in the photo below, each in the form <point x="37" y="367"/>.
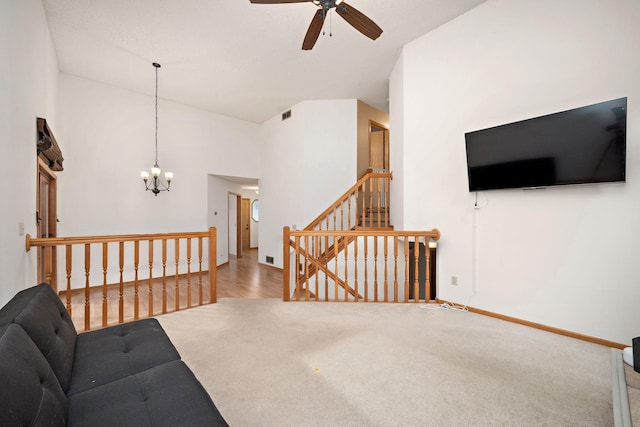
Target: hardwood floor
<point x="245" y="278"/>
<point x="239" y="278"/>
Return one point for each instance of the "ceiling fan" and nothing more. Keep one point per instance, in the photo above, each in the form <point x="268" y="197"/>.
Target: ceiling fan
<point x="355" y="18"/>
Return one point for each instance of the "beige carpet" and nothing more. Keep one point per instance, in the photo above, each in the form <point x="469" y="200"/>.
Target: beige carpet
<point x="270" y="363"/>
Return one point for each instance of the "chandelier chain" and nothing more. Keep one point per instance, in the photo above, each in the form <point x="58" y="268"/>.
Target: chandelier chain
<point x="156" y="116"/>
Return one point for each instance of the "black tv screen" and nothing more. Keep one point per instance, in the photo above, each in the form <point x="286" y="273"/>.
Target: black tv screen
<point x="579" y="146"/>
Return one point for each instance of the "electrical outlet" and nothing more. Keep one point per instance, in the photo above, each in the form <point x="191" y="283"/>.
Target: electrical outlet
<point x="454" y="280"/>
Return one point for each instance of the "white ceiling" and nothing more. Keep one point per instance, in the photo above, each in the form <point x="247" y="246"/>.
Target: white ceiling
<point x="236" y="58"/>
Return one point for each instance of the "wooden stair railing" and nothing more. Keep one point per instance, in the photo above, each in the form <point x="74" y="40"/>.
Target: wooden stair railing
<point x="369" y="195"/>
<point x="364" y="205"/>
<point x="368" y="265"/>
<point x="125" y="282"/>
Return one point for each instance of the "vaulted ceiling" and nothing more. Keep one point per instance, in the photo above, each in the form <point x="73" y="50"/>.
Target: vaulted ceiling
<point x="236" y="58"/>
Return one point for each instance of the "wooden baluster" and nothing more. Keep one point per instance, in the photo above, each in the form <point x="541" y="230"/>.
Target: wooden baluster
<point x="386" y="270"/>
<point x="121" y="298"/>
<point x="325" y="260"/>
<point x="375" y="268"/>
<point x="69" y="266"/>
<point x="395" y="268"/>
<point x="150" y="312"/>
<point x="363" y="201"/>
<point x="297" y="267"/>
<point x="342" y="215"/>
<point x="355" y="268"/>
<point x="48" y="263"/>
<point x="177" y="245"/>
<point x="337" y="275"/>
<point x="370" y="210"/>
<point x="406" y="269"/>
<point x="355" y="215"/>
<point x="317" y="254"/>
<point x="105" y="263"/>
<point x="416" y="271"/>
<point x="164" y="275"/>
<point x="199" y="270"/>
<point x="213" y="267"/>
<point x="87" y="287"/>
<point x="366" y="269"/>
<point x="286" y="272"/>
<point x="188" y="272"/>
<point x="335" y="219"/>
<point x="136" y="264"/>
<point x="427" y="284"/>
<point x="386" y="204"/>
<point x="306" y="269"/>
<point x="349" y="212"/>
<point x="379" y="202"/>
<point x="345" y="244"/>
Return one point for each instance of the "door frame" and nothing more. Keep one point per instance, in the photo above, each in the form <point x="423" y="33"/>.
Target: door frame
<point x="238" y="220"/>
<point x="47" y="270"/>
<point x="385" y="143"/>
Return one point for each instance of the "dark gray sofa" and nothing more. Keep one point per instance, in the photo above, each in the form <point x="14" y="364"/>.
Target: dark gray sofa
<point x="124" y="375"/>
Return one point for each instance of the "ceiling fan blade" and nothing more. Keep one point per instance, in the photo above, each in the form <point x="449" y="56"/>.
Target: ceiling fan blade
<point x="359" y="21"/>
<point x="278" y="1"/>
<point x="314" y="30"/>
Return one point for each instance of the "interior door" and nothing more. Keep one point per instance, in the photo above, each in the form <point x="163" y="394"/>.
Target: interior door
<point x="46" y="224"/>
<point x="246" y="224"/>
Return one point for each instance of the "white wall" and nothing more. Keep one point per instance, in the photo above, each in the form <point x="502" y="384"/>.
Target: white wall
<point x="311" y="160"/>
<point x="564" y="256"/>
<point x="396" y="148"/>
<point x="109" y="138"/>
<point x="28" y="73"/>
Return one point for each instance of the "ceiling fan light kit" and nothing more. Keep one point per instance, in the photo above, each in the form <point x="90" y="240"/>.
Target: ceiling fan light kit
<point x="353" y="16"/>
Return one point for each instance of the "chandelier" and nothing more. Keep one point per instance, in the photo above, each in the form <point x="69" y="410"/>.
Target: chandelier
<point x="153" y="182"/>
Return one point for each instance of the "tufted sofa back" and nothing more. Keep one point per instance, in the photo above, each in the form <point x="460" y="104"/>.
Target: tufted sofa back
<point x="30" y="392"/>
<point x="39" y="311"/>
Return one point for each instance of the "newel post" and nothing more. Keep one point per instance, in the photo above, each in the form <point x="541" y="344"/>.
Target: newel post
<point x="286" y="291"/>
<point x="213" y="267"/>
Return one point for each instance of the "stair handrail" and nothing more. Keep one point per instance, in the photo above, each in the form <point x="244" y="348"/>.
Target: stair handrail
<point x="345" y="197"/>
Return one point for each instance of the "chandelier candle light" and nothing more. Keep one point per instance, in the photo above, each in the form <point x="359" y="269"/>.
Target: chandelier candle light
<point x="155" y="184"/>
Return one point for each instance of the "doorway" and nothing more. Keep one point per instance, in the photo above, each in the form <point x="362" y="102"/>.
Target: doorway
<point x="378" y="147"/>
<point x="246" y="224"/>
<point x="46" y="223"/>
<point x="235" y="225"/>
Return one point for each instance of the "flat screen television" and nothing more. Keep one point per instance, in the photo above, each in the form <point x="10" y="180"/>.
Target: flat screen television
<point x="579" y="146"/>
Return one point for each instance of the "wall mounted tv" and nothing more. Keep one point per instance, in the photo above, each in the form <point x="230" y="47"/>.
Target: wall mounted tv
<point x="579" y="146"/>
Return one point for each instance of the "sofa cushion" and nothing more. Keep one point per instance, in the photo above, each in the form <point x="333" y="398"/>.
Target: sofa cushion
<point x="109" y="354"/>
<point x="166" y="395"/>
<point x="40" y="312"/>
<point x="30" y="394"/>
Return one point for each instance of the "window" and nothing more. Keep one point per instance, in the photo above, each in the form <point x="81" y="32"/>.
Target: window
<point x="255" y="207"/>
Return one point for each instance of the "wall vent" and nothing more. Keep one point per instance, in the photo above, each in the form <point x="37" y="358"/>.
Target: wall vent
<point x="286" y="115"/>
<point x="269" y="259"/>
